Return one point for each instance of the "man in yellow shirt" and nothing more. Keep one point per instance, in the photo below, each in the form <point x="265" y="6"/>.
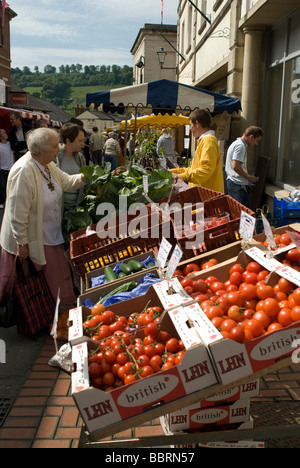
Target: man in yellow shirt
<point x="206" y="169"/>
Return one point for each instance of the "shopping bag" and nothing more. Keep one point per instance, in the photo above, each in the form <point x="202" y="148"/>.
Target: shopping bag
<point x="36" y="305"/>
<point x="8" y="306"/>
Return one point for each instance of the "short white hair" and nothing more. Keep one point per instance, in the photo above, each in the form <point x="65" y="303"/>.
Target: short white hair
<point x="40" y="140"/>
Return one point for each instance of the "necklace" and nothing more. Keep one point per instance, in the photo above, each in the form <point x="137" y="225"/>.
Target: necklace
<point x="48" y="179"/>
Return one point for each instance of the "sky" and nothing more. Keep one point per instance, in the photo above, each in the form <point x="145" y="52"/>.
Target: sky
<point x="86" y="32"/>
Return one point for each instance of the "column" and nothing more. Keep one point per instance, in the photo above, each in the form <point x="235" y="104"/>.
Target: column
<point x="253" y="69"/>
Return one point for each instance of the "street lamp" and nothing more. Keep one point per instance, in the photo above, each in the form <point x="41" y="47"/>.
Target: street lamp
<point x="141" y="65"/>
<point x="162" y="57"/>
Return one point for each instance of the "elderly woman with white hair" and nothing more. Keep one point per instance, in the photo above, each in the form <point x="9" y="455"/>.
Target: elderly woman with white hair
<point x="32" y="218"/>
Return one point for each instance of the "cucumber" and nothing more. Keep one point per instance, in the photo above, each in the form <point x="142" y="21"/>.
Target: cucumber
<point x="121" y="275"/>
<point x="135" y="265"/>
<point x="109" y="274"/>
<point x="125" y="269"/>
<point x="151" y="265"/>
<point x="120" y="289"/>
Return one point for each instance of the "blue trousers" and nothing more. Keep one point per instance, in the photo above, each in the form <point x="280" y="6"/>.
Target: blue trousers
<point x="239" y="193"/>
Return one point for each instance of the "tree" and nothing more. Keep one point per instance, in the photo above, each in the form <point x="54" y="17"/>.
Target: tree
<point x="49" y="69"/>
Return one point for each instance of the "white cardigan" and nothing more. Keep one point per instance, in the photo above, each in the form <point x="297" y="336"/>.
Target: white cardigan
<point x="24" y="211"/>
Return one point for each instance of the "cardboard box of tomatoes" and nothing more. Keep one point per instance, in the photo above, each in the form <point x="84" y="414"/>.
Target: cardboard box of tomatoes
<point x="101" y="409"/>
<point x="163" y="295"/>
<point x="194" y="417"/>
<point x="260" y="320"/>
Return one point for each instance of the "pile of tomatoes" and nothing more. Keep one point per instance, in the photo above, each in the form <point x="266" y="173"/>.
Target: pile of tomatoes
<point x="124" y="358"/>
<point x="104" y="323"/>
<point x="281" y="240"/>
<point x="244" y="306"/>
<point x="292" y="259"/>
<point x="194" y="267"/>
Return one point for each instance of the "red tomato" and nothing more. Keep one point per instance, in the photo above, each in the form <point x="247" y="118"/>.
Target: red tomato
<point x="163" y="337"/>
<point x="254" y="267"/>
<point x="228" y="325"/>
<point x="285" y="239"/>
<point x="108" y="379"/>
<point x="94" y="371"/>
<point x="236" y="278"/>
<point x="108" y="317"/>
<point x="295" y="313"/>
<point x="156" y="363"/>
<point x="200" y="286"/>
<point x="271" y="307"/>
<point x="262" y="318"/>
<point x="285" y="286"/>
<point x="214" y="311"/>
<point x="284" y="317"/>
<point x="235" y="298"/>
<point x="235" y="313"/>
<point x="172" y="345"/>
<point x="187" y="282"/>
<point x="248" y="291"/>
<point x="237" y="267"/>
<point x="254" y="327"/>
<point x="237" y="334"/>
<point x="264" y="291"/>
<point x="274" y="327"/>
<point x="296" y="296"/>
<point x="250" y="277"/>
<point x="293" y="256"/>
<point x="151" y="329"/>
<point x="190" y="268"/>
<point x="146" y="371"/>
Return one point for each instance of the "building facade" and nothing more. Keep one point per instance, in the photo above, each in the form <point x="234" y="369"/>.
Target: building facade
<point x="150" y="40"/>
<point x="5" y="57"/>
<point x="249" y="49"/>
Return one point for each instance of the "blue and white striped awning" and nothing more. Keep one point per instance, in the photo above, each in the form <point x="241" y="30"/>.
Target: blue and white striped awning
<point x="163" y="96"/>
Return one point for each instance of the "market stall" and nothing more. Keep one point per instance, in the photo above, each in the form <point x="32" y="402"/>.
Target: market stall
<point x="26" y="115"/>
<point x="162" y="97"/>
<point x="204" y="354"/>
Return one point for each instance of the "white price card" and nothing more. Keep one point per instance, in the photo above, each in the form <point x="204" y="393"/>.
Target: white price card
<point x="175" y="259"/>
<point x="268" y="232"/>
<point x="295" y="237"/>
<point x="247" y="226"/>
<point x="164" y="250"/>
<point x="145" y="184"/>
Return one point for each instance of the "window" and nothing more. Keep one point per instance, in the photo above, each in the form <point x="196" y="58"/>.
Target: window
<point x="289" y="169"/>
<point x="282" y="103"/>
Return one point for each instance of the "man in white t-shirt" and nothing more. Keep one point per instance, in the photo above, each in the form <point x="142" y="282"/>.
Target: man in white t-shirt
<point x="6" y="163"/>
<point x="238" y="180"/>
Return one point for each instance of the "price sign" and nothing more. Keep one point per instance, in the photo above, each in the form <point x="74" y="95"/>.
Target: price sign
<point x="247" y="226"/>
<point x="268" y="232"/>
<point x="295" y="237"/>
<point x="164" y="250"/>
<point x="145" y="184"/>
<point x="175" y="259"/>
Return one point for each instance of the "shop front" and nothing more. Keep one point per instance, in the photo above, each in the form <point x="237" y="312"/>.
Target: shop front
<point x="281" y="119"/>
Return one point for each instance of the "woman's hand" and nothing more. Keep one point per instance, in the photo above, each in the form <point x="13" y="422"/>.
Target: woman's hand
<point x="23" y="252"/>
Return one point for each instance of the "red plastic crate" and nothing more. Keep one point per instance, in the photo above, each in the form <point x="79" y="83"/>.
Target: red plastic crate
<point x="103" y="252"/>
<point x="220" y="235"/>
<point x="192" y="195"/>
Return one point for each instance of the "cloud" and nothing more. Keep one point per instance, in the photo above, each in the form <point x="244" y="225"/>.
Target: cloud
<point x="63" y="56"/>
<point x="90" y="32"/>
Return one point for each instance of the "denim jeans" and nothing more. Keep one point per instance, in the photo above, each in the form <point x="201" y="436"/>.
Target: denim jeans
<point x="113" y="160"/>
<point x="240" y="193"/>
